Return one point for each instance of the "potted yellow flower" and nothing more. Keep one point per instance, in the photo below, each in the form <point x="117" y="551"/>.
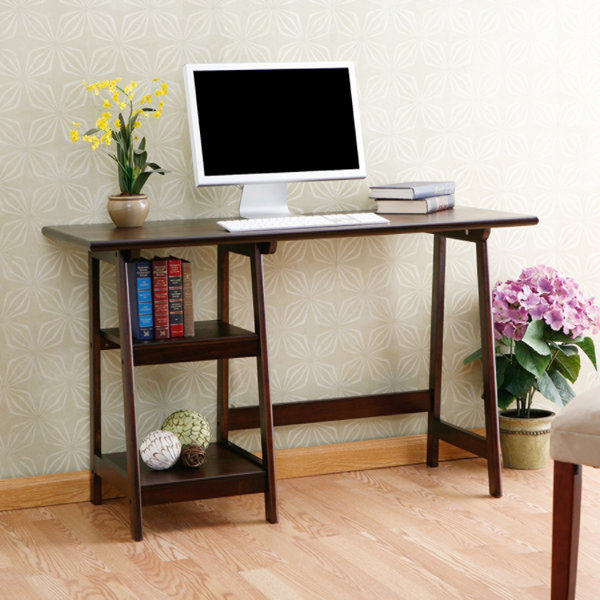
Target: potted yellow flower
<point x="130" y="207"/>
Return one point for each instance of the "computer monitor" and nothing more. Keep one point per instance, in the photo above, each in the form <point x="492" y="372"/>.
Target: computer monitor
<point x="261" y="126"/>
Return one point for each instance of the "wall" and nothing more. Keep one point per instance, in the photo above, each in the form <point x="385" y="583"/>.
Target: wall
<point x="500" y="96"/>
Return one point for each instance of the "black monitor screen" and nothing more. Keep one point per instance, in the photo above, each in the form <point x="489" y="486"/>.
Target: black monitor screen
<point x="276" y="120"/>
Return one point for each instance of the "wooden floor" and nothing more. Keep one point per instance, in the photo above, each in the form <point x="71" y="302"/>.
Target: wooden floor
<point x="406" y="532"/>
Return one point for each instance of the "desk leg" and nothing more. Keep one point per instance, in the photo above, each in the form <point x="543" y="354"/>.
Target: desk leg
<point x="95" y="374"/>
<point x="436" y="348"/>
<point x="133" y="462"/>
<point x="223" y="363"/>
<point x="488" y="359"/>
<point x="264" y="393"/>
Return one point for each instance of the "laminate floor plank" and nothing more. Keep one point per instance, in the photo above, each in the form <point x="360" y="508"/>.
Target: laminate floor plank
<point x="408" y="533"/>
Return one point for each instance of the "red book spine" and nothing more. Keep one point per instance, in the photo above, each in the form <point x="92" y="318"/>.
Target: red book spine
<point x="160" y="298"/>
<point x="175" y="297"/>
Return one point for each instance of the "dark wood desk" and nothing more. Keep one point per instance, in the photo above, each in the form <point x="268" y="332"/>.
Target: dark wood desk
<point x="229" y="469"/>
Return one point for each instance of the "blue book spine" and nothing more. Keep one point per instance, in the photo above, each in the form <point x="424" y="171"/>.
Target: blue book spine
<point x="139" y="273"/>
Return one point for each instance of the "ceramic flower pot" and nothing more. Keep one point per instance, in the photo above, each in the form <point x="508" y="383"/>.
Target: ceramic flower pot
<point x="525" y="442"/>
<point x="128" y="210"/>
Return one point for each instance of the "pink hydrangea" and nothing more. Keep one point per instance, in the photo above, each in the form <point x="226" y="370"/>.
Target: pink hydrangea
<point x="541" y="292"/>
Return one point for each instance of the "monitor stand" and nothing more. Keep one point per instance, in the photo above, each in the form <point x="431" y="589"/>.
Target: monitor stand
<point x="264" y="200"/>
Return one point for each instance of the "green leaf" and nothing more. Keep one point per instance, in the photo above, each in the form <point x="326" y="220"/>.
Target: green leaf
<point x="474" y="356"/>
<point x="558" y="387"/>
<point x="567" y="349"/>
<point x="139" y="160"/>
<point x="124" y="181"/>
<point x="517" y="380"/>
<point x="548" y="389"/>
<point x="125" y="138"/>
<point x="587" y="345"/>
<point x="138" y="184"/>
<point x="505" y="399"/>
<point x="157" y="168"/>
<point x="91" y="131"/>
<point x="567" y="366"/>
<point x="567" y="393"/>
<point x="559" y="336"/>
<point x="530" y="360"/>
<point x="534" y="337"/>
<point x="502" y="363"/>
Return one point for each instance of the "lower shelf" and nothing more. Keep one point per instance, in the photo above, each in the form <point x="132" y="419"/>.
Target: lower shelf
<point x="227" y="471"/>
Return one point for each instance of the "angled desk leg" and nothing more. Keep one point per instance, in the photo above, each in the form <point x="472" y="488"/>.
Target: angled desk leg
<point x="95" y="373"/>
<point x="126" y="341"/>
<point x="488" y="359"/>
<point x="487" y="447"/>
<point x="255" y="253"/>
<point x="264" y="390"/>
<point x="436" y="348"/>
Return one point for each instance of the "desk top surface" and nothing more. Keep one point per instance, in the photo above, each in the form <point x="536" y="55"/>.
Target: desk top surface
<point x="200" y="232"/>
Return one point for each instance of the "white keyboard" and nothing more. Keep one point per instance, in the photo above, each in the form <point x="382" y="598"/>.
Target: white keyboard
<point x="303" y="221"/>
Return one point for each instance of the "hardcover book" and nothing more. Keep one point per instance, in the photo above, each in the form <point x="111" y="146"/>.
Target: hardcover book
<point x="188" y="299"/>
<point x="160" y="296"/>
<point x="139" y="275"/>
<point x="175" y="296"/>
<point x="413" y="190"/>
<point x="420" y="207"/>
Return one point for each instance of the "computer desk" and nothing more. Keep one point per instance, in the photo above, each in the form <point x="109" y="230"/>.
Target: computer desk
<point x="221" y="341"/>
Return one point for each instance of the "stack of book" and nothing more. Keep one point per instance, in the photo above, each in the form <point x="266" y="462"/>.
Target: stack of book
<point x="413" y="197"/>
<point x="160" y="292"/>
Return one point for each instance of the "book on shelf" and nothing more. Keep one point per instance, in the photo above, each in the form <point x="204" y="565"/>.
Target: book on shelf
<point x="139" y="275"/>
<point x="175" y="296"/>
<point x="412" y="190"/>
<point x="415" y="207"/>
<point x="160" y="296"/>
<point x="188" y="298"/>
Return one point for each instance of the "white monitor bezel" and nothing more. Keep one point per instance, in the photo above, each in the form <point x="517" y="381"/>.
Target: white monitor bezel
<point x="201" y="179"/>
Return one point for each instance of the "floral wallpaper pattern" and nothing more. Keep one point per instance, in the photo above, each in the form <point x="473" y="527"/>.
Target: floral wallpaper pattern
<point x="501" y="96"/>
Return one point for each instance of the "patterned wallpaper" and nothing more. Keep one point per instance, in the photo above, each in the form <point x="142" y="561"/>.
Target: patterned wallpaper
<point x="502" y="96"/>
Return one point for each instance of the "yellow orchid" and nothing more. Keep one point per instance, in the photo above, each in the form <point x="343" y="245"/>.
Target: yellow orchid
<point x="132" y="164"/>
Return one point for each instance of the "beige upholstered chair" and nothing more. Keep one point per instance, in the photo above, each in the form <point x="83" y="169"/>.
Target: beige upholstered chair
<point x="574" y="441"/>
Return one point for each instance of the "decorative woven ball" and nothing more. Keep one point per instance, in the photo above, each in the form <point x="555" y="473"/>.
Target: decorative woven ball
<point x="193" y="455"/>
<point x="160" y="449"/>
<point x="189" y="426"/>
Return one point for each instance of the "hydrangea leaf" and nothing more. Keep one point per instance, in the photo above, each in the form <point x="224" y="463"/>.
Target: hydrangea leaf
<point x="502" y="363"/>
<point x="534" y="337"/>
<point x="556" y="388"/>
<point x="531" y="360"/>
<point x="567" y="366"/>
<point x="474" y="356"/>
<point x="517" y="380"/>
<point x="566" y="349"/>
<point x="505" y="399"/>
<point x="587" y="345"/>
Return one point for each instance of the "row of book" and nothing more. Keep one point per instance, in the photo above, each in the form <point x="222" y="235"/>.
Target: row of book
<point x="161" y="298"/>
<point x="413" y="197"/>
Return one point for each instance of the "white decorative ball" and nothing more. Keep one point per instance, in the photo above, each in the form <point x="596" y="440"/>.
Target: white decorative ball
<point x="160" y="449"/>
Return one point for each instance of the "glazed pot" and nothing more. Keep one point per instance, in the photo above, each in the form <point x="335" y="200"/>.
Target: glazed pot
<point x="128" y="210"/>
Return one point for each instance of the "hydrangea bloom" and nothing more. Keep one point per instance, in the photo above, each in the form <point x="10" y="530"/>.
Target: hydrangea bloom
<point x="541" y="292"/>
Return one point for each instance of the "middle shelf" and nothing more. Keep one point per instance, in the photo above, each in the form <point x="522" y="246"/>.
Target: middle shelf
<point x="212" y="340"/>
